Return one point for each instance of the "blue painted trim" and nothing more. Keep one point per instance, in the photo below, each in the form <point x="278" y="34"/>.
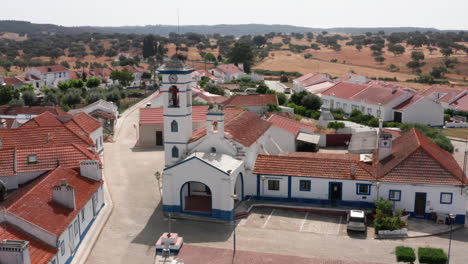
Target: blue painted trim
<point x="289" y="187"/>
<point x="425" y="200"/>
<point x="177" y="143"/>
<point x="258" y="184"/>
<point x="305" y="190"/>
<point x="242" y="185"/>
<point x="219" y="121"/>
<point x="368" y="190"/>
<point x="355" y="204"/>
<point x="178" y="115"/>
<point x="451" y="197"/>
<point x="215" y="114"/>
<point x="395" y="200"/>
<point x="329" y="190"/>
<point x="175" y="152"/>
<point x="183" y="91"/>
<point x="194" y="157"/>
<point x="215" y="213"/>
<point x="174" y="126"/>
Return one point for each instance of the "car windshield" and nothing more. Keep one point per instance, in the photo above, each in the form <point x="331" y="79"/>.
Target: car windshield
<point x="356" y="220"/>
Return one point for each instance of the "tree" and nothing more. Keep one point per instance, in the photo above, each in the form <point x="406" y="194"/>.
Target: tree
<point x="65" y="64"/>
<point x="311" y="102"/>
<point x="241" y="53"/>
<point x="29" y="97"/>
<point x="446" y="51"/>
<point x="438" y="72"/>
<point x="431" y="49"/>
<point x="262" y="89"/>
<point x="146" y="75"/>
<point x="6" y="94"/>
<point x="16" y="103"/>
<point x="124" y="77"/>
<point x="335" y="125"/>
<point x="93" y="82"/>
<point x="434" y="134"/>
<point x="63" y="86"/>
<point x="379" y="59"/>
<point x="209" y="57"/>
<point x="417" y="56"/>
<point x="148" y="46"/>
<point x="282" y="99"/>
<point x="259" y="41"/>
<point x="214" y="89"/>
<point x="314" y="46"/>
<point x="72" y="97"/>
<point x="396" y="49"/>
<point x="359" y="47"/>
<point x="114" y="95"/>
<point x="52" y="98"/>
<point x="414" y="65"/>
<point x="296" y="98"/>
<point x="94" y="97"/>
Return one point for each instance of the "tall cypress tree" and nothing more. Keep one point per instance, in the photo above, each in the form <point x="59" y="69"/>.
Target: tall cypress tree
<point x="148" y="46"/>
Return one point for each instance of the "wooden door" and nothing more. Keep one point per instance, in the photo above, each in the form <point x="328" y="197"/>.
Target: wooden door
<point x="420" y="204"/>
<point x="159" y="138"/>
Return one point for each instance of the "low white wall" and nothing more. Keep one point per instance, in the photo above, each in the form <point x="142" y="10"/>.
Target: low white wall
<point x="456" y="125"/>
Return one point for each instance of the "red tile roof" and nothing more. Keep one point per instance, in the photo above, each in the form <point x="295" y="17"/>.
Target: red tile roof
<point x="34" y="110"/>
<point x="87" y="123"/>
<point x="39" y="251"/>
<point x="155" y="115"/>
<point x="229" y="68"/>
<point x="344" y="90"/>
<point x="251" y="100"/>
<point x="7" y="166"/>
<point x="45" y="119"/>
<point x="36" y="205"/>
<point x="444" y="94"/>
<point x="12" y="81"/>
<point x="53" y="68"/>
<point x="103" y="114"/>
<point x="315" y="79"/>
<point x="461" y="103"/>
<point x="288" y="124"/>
<point x="416" y="159"/>
<point x="42" y="136"/>
<point x="408" y="103"/>
<point x="318" y="166"/>
<point x="245" y="127"/>
<point x="375" y="95"/>
<point x="230" y="86"/>
<point x="305" y="77"/>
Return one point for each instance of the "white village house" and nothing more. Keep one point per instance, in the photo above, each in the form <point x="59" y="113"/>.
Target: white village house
<point x="47" y="75"/>
<point x="238" y="153"/>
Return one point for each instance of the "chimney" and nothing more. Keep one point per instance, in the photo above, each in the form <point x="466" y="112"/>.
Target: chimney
<point x="3" y="123"/>
<point x="64" y="194"/>
<point x="14" y="252"/>
<point x="1" y="143"/>
<point x="353" y="171"/>
<point x="215" y="121"/>
<point x="91" y="169"/>
<point x="385" y="145"/>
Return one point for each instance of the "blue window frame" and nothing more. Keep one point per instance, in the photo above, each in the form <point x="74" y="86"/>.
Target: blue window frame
<point x="175" y="152"/>
<point x="363" y="189"/>
<point x="174" y="126"/>
<point x="394" y="195"/>
<point x="62" y="248"/>
<point x="304" y="185"/>
<point x="446" y="198"/>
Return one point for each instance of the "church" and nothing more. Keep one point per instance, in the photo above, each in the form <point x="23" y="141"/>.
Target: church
<point x="238" y="155"/>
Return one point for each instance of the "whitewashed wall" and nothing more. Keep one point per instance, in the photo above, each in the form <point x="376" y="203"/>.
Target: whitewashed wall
<point x="425" y="112"/>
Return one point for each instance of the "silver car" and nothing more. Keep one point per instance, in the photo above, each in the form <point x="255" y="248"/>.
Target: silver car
<point x="356" y="221"/>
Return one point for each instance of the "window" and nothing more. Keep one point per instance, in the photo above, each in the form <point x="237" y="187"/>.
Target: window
<point x="213" y="150"/>
<point x="83" y="214"/>
<point x="62" y="248"/>
<point x="273" y="185"/>
<point x="446" y="198"/>
<point x="338" y="104"/>
<point x="76" y="227"/>
<point x="175" y="152"/>
<point x="394" y="195"/>
<point x="304" y="185"/>
<point x="52" y="261"/>
<point x="345" y="106"/>
<point x="174" y="126"/>
<point x="32" y="158"/>
<point x="369" y="111"/>
<point x="325" y="102"/>
<point x="173" y="96"/>
<point x="379" y="113"/>
<point x="363" y="189"/>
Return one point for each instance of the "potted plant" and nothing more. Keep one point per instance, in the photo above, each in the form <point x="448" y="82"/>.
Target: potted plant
<point x="403" y="215"/>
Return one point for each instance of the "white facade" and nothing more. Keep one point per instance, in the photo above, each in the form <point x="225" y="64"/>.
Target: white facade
<point x="49" y="78"/>
<point x="424" y="111"/>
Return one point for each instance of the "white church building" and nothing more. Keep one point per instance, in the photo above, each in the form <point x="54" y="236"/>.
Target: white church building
<point x="238" y="155"/>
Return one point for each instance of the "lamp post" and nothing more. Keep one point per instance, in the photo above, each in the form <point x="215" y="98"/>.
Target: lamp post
<point x="377" y="185"/>
<point x="234" y="199"/>
<point x="451" y="218"/>
<point x="263" y="185"/>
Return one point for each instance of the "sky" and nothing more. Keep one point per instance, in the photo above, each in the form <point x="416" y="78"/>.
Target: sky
<point x="447" y="14"/>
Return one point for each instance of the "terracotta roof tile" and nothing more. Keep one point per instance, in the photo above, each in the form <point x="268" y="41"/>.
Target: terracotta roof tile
<point x="288" y="124"/>
<point x="251" y="100"/>
<point x="345" y="90"/>
<point x="39" y="252"/>
<point x="36" y="205"/>
<point x="318" y="166"/>
<point x="103" y="114"/>
<point x="229" y="68"/>
<point x="7" y="167"/>
<point x="212" y="99"/>
<point x="461" y="103"/>
<point x="408" y="103"/>
<point x="444" y="94"/>
<point x="34" y="110"/>
<point x="52" y="68"/>
<point x="417" y="159"/>
<point x="85" y="122"/>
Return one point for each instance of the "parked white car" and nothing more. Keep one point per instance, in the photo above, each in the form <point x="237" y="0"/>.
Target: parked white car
<point x="356" y="221"/>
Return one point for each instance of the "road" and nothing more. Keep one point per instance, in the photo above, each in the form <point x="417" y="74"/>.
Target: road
<point x="137" y="220"/>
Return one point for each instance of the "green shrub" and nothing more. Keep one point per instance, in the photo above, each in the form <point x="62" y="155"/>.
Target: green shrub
<point x="405" y="254"/>
<point x="336" y="125"/>
<point x="432" y="256"/>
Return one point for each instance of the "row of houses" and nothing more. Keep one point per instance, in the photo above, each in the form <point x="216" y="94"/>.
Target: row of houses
<point x="225" y="73"/>
<point x="213" y="154"/>
<point x="384" y="100"/>
<point x="51" y="187"/>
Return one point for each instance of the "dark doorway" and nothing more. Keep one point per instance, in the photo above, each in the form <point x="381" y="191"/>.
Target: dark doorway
<point x="159" y="138"/>
<point x="335" y="192"/>
<point x="420" y="204"/>
<point x="397" y="116"/>
<point x="196" y="197"/>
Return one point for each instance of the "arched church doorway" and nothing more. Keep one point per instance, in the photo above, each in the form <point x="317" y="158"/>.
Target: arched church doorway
<point x="196" y="197"/>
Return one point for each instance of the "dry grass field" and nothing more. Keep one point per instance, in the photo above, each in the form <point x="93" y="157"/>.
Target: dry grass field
<point x="456" y="132"/>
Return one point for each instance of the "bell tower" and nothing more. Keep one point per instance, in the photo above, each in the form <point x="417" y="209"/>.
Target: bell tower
<point x="177" y="97"/>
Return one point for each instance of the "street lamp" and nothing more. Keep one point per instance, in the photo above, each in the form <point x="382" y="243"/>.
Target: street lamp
<point x="263" y="185"/>
<point x="234" y="199"/>
<point x="451" y="218"/>
<point x="377" y="185"/>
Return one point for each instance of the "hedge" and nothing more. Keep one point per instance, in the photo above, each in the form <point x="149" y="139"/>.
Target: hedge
<point x="432" y="256"/>
<point x="405" y="254"/>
